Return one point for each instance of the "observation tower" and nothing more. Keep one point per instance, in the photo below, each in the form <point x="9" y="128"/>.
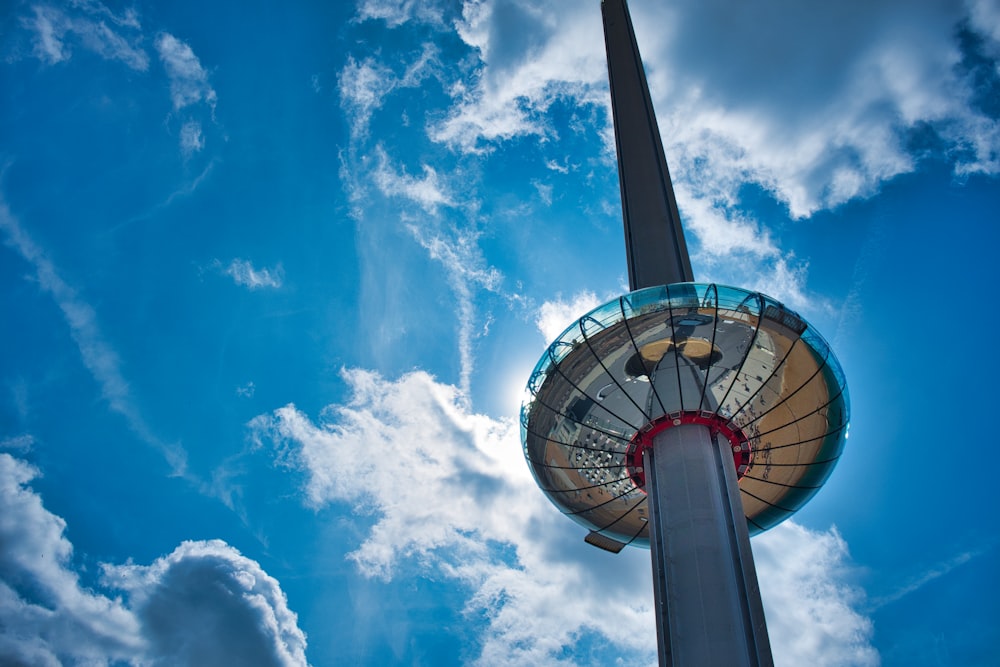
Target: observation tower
<point x="682" y="416"/>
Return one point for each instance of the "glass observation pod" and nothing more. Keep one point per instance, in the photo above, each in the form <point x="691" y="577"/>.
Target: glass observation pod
<point x="738" y="362"/>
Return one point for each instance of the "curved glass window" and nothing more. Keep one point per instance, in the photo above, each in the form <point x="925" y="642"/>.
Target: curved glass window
<point x="716" y="354"/>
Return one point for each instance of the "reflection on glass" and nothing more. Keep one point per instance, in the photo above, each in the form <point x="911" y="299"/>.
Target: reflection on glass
<point x="740" y="362"/>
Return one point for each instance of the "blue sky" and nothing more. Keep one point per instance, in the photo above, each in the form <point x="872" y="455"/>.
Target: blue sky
<point x="273" y="280"/>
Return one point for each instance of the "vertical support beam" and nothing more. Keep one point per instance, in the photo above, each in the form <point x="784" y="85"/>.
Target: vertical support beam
<point x="708" y="607"/>
<point x="654" y="239"/>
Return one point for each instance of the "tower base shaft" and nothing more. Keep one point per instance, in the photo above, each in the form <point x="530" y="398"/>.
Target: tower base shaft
<point x="708" y="606"/>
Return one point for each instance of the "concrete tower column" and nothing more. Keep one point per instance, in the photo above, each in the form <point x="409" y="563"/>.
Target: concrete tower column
<point x="708" y="607"/>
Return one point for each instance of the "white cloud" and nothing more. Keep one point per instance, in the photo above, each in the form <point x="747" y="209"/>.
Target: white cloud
<point x="984" y="15"/>
<point x="544" y="191"/>
<point x="60" y="619"/>
<point x="448" y="490"/>
<point x="191" y="138"/>
<point x="207" y="604"/>
<point x="397" y="12"/>
<point x="364" y="85"/>
<point x="247" y="390"/>
<point x="50" y="29"/>
<point x="204" y="604"/>
<point x="813" y="103"/>
<point x="812" y="612"/>
<point x="937" y="571"/>
<point x="443" y="485"/>
<point x="554" y="316"/>
<point x="55" y="28"/>
<point x="188" y="79"/>
<point x="555" y="166"/>
<point x="531" y="57"/>
<point x="243" y="273"/>
<point x="97" y="354"/>
<point x="18" y="443"/>
<point x="428" y="191"/>
<point x="459" y="253"/>
<point x="454" y="246"/>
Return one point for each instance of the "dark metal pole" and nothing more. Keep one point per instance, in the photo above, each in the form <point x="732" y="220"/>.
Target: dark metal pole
<point x="654" y="238"/>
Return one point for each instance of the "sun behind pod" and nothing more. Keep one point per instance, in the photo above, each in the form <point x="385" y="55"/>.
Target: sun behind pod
<point x="752" y="371"/>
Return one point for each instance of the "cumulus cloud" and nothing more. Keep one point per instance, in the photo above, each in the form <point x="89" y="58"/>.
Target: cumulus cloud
<point x="531" y="57"/>
<point x="554" y="316"/>
<point x="46" y="614"/>
<point x="188" y="79"/>
<point x="243" y="273"/>
<point x="812" y="610"/>
<point x="816" y="104"/>
<point x="448" y="490"/>
<point x="207" y="604"/>
<point x="96" y="352"/>
<point x="203" y="604"/>
<point x="86" y="24"/>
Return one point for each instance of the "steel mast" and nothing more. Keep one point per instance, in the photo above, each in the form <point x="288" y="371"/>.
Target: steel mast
<point x="707" y="599"/>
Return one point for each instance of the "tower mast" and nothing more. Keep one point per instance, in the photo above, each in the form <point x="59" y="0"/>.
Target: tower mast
<point x="707" y="600"/>
<point x="654" y="238"/>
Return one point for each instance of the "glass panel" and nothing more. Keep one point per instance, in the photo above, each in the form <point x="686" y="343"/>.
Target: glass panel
<point x="687" y="351"/>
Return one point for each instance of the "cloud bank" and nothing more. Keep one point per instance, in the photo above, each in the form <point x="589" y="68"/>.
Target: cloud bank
<point x="447" y="490"/>
<point x="203" y="604"/>
<point x="816" y="105"/>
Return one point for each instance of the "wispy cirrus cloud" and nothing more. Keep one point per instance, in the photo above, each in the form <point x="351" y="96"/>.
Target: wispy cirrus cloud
<point x="85" y="24"/>
<point x="396" y="12"/>
<point x="428" y="191"/>
<point x="192" y="140"/>
<point x="467" y="271"/>
<point x="97" y="354"/>
<point x="204" y="603"/>
<point x="188" y="79"/>
<point x="246" y="390"/>
<point x="364" y="85"/>
<point x="90" y="25"/>
<point x="189" y="88"/>
<point x="453" y="245"/>
<point x="932" y="573"/>
<point x="453" y="497"/>
<point x="244" y="274"/>
<point x="18" y="443"/>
